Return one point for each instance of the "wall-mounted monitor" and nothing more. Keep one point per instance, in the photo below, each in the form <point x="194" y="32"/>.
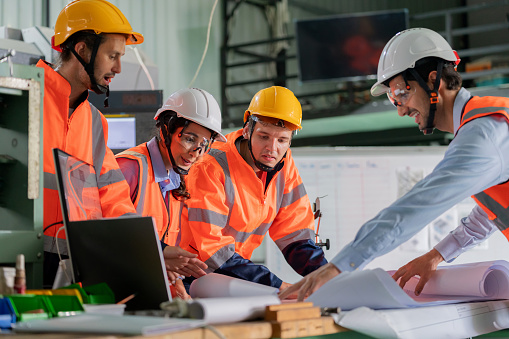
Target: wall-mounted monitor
<point x="345" y="47"/>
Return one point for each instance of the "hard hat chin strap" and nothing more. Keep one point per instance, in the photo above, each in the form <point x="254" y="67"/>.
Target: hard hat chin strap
<point x="433" y="95"/>
<point x="167" y="142"/>
<point x="89" y="68"/>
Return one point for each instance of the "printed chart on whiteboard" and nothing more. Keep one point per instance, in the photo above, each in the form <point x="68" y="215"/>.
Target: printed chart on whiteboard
<point x="354" y="184"/>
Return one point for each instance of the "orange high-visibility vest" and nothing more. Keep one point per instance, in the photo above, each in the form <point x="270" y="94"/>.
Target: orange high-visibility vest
<point x="149" y="200"/>
<point x="84" y="135"/>
<point x="494" y="200"/>
<point x="231" y="210"/>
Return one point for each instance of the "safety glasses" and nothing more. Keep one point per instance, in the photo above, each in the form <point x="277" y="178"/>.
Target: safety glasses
<point x="193" y="143"/>
<point x="400" y="94"/>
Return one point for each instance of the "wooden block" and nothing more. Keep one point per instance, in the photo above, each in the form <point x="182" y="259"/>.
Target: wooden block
<point x="249" y="329"/>
<point x="293" y="314"/>
<point x="297" y="328"/>
<point x="305" y="328"/>
<point x="286" y="306"/>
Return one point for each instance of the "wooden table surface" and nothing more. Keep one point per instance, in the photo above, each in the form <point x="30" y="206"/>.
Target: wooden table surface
<point x="248" y="330"/>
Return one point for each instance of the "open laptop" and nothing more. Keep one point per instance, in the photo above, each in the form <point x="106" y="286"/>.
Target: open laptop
<point x="123" y="252"/>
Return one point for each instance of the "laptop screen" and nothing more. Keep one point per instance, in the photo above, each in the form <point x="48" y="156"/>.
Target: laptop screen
<point x="77" y="185"/>
<point x="123" y="252"/>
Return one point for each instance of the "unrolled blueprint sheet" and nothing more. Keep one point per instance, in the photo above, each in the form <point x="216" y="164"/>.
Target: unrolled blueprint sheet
<point x="451" y="284"/>
<point x="446" y="321"/>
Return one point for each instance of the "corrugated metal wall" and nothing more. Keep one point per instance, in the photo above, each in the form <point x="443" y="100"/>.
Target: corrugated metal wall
<point x="175" y="34"/>
<point x="21" y="13"/>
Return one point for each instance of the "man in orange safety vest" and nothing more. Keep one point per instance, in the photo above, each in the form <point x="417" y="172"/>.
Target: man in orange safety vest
<point x="91" y="36"/>
<point x="248" y="187"/>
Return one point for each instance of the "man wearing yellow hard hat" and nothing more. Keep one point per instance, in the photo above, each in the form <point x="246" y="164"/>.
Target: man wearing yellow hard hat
<point x="247" y="187"/>
<point x="91" y="36"/>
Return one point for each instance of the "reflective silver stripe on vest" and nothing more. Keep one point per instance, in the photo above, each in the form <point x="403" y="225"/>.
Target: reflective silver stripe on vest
<point x="111" y="177"/>
<point x="263" y="228"/>
<point x="98" y="142"/>
<point x="90" y="180"/>
<point x="502" y="219"/>
<point x="229" y="190"/>
<point x="207" y="216"/>
<point x="304" y="234"/>
<point x="482" y="110"/>
<point x="240" y="237"/>
<point x="99" y="152"/>
<point x="223" y="221"/>
<point x="294" y="195"/>
<point x="280" y="189"/>
<point x="50" y="245"/>
<point x="217" y="219"/>
<point x="220" y="257"/>
<point x="141" y="188"/>
<point x="50" y="181"/>
<point x="211" y="217"/>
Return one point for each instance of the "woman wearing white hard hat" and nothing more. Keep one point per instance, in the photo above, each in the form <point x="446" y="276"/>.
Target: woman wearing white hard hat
<point x="187" y="125"/>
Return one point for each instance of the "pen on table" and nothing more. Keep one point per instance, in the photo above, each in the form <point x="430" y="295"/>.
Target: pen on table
<point x="126" y="299"/>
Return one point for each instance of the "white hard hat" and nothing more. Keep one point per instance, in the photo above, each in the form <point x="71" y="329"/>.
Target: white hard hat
<point x="405" y="49"/>
<point x="196" y="105"/>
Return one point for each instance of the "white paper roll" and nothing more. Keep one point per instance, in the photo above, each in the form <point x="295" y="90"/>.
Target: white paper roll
<point x="215" y="285"/>
<point x="228" y="310"/>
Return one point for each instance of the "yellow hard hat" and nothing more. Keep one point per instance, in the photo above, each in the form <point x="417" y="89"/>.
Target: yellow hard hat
<point x="279" y="103"/>
<point x="99" y="16"/>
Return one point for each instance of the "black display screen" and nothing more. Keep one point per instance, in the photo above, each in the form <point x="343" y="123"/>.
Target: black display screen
<point x="345" y="47"/>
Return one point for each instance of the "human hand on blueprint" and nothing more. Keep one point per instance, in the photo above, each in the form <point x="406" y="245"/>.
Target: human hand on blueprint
<point x="284" y="286"/>
<point x="183" y="262"/>
<point x="311" y="282"/>
<point x="423" y="266"/>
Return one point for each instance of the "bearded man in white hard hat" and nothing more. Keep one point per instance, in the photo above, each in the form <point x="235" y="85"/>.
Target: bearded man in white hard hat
<point x="417" y="71"/>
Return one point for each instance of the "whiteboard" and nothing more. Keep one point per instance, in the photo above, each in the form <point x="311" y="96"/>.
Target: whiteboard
<point x="355" y="183"/>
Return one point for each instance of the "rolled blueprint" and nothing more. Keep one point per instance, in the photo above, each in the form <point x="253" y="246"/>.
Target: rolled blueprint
<point x="228" y="310"/>
<point x="215" y="285"/>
